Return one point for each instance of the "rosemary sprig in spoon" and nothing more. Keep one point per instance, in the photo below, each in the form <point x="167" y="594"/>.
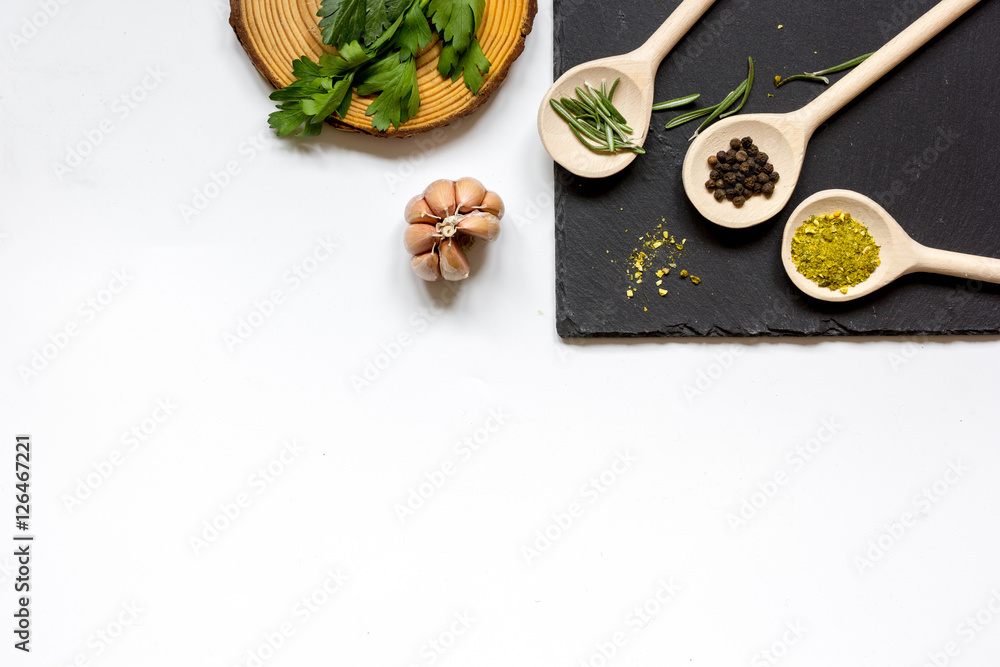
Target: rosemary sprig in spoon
<point x="818" y="75"/>
<point x="595" y="121"/>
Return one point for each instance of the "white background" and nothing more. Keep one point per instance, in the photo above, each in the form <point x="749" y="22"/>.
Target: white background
<point x="842" y="547"/>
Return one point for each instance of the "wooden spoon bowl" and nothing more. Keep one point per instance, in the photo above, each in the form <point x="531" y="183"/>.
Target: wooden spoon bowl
<point x="899" y="254"/>
<point x="275" y="32"/>
<point x="784" y="140"/>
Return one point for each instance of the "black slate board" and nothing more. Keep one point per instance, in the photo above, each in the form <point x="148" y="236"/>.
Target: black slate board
<point x="929" y="129"/>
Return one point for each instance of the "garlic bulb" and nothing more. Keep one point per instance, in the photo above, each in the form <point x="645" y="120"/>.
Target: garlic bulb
<point x="444" y="220"/>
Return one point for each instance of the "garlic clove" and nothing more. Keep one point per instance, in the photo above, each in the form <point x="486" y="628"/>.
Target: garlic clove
<point x="469" y="194"/>
<point x="492" y="204"/>
<point x="440" y="197"/>
<point x="417" y="211"/>
<point x="482" y="225"/>
<point x="419" y="238"/>
<point x="426" y="266"/>
<point x="454" y="265"/>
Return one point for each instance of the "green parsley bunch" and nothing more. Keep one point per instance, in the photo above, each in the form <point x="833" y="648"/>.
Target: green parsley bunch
<point x="377" y="42"/>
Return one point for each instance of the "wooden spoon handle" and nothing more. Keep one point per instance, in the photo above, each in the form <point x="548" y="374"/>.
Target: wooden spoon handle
<point x="668" y="34"/>
<point x="882" y="61"/>
<point x="973" y="267"/>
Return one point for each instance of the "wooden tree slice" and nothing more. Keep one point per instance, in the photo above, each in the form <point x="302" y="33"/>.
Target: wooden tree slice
<point x="276" y="32"/>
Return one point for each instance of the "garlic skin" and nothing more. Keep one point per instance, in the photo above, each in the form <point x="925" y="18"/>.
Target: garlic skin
<point x="454" y="265"/>
<point x="419" y="238"/>
<point x="492" y="204"/>
<point x="481" y="225"/>
<point x="445" y="220"/>
<point x="469" y="193"/>
<point x="440" y="198"/>
<point x="417" y="211"/>
<point x="426" y="266"/>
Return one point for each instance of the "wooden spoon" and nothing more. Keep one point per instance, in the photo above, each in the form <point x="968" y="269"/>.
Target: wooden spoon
<point x="784" y="136"/>
<point x="633" y="97"/>
<point x="899" y="253"/>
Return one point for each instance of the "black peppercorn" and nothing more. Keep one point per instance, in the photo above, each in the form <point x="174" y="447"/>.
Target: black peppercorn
<point x="719" y="183"/>
<point x="739" y="200"/>
<point x="710" y="185"/>
<point x="734" y="143"/>
<point x="741" y="156"/>
<point x="774" y="177"/>
<point x="753" y="150"/>
<point x="739" y="189"/>
<point x="758" y="188"/>
<point x="768" y="168"/>
<point x="747" y="142"/>
<point x="729" y="178"/>
<point x="750" y="180"/>
<point x="719" y="195"/>
<point x="753" y="164"/>
<point x="713" y="160"/>
<point x="762" y="177"/>
<point x="714" y="174"/>
<point x="720" y="156"/>
<point x="730" y="193"/>
<point x="761" y="158"/>
<point x="767" y="189"/>
<point x="744" y="168"/>
<point x="730" y="155"/>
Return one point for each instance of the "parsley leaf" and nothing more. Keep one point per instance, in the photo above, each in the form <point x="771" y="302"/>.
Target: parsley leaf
<point x="470" y="65"/>
<point x="345" y="21"/>
<point x="395" y="82"/>
<point x="322" y="89"/>
<point x="414" y="34"/>
<point x="457" y="20"/>
<point x="342" y="21"/>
